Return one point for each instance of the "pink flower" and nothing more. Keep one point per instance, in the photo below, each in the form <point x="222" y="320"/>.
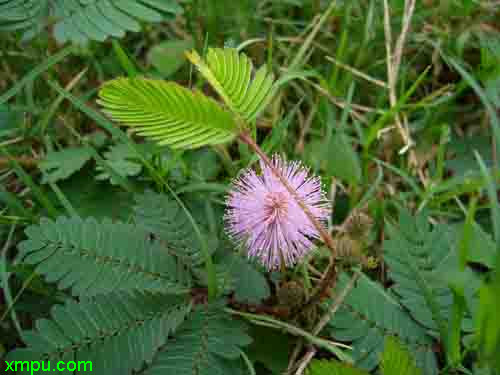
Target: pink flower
<point x="267" y="219"/>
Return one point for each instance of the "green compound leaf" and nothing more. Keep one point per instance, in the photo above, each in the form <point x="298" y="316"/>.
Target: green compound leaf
<point x="92" y="257"/>
<point x="79" y="21"/>
<point x="249" y="285"/>
<point x="208" y="343"/>
<point x="368" y="314"/>
<point x="231" y="74"/>
<point x="162" y="216"/>
<point x="122" y="160"/>
<point x="419" y="259"/>
<point x="167" y="113"/>
<point x="111" y="334"/>
<point x="59" y="165"/>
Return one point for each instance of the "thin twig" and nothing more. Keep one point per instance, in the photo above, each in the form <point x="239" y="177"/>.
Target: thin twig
<point x="311" y="352"/>
<point x="25" y="161"/>
<point x="293" y="357"/>
<point x="398" y="52"/>
<point x="358" y="73"/>
<point x="305" y="361"/>
<point x="336" y="303"/>
<point x="392" y="72"/>
<point x="299" y="60"/>
<point x="299" y="147"/>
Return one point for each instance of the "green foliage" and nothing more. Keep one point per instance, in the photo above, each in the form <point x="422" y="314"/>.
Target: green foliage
<point x="114" y="333"/>
<point x="488" y="324"/>
<point x="122" y="160"/>
<point x="9" y="120"/>
<point x="92" y="198"/>
<point x="230" y="74"/>
<point x="168" y="57"/>
<point x="341" y="159"/>
<point x="92" y="257"/>
<point x="59" y="165"/>
<point x="419" y="258"/>
<point x="167" y="113"/>
<point x="162" y="216"/>
<point x="424" y="290"/>
<point x="271" y="348"/>
<point x="334" y="368"/>
<point x="396" y="360"/>
<point x="208" y="343"/>
<point x="368" y="315"/>
<point x="249" y="285"/>
<point x="82" y="20"/>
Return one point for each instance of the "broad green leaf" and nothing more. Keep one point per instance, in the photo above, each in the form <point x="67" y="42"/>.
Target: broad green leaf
<point x="59" y="165"/>
<point x="270" y="348"/>
<point x="250" y="285"/>
<point x="168" y="57"/>
<point x="333" y="367"/>
<point x="9" y="120"/>
<point x="396" y="360"/>
<point x="482" y="247"/>
<point x="341" y="160"/>
<point x="92" y="198"/>
<point x="122" y="160"/>
<point x="167" y="113"/>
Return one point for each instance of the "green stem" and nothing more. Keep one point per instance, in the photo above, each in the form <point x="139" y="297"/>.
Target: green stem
<point x="267" y="321"/>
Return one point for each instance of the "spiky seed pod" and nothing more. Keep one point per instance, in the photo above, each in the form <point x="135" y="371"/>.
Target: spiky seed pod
<point x="350" y="252"/>
<point x="309" y="317"/>
<point x="371" y="263"/>
<point x="358" y="225"/>
<point x="347" y="248"/>
<point x="291" y="294"/>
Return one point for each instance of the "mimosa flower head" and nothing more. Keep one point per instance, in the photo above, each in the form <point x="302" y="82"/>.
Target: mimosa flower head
<point x="263" y="215"/>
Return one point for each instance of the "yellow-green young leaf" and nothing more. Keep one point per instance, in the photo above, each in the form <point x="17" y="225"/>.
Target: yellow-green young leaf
<point x="333" y="368"/>
<point x="396" y="360"/>
<point x="231" y="74"/>
<point x="167" y="113"/>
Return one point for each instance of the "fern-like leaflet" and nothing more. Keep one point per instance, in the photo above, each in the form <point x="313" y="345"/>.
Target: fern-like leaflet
<point x="368" y="315"/>
<point x="230" y="74"/>
<point x="207" y="344"/>
<point x="112" y="334"/>
<point x="94" y="258"/>
<point x="172" y="115"/>
<point x="82" y="20"/>
<point x="419" y="257"/>
<point x="163" y="217"/>
<point x="167" y="113"/>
